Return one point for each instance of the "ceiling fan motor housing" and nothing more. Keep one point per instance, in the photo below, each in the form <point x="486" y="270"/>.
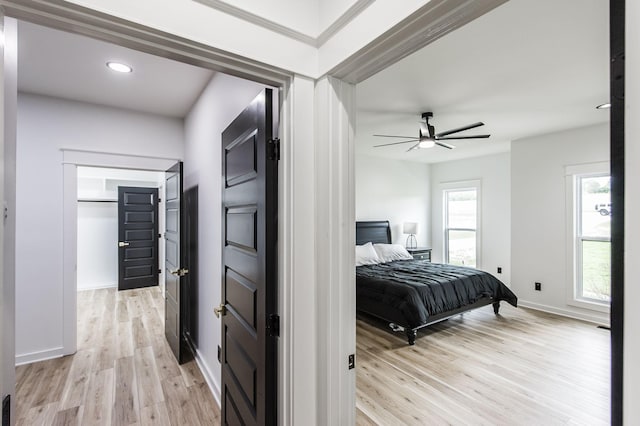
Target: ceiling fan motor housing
<point x="431" y="131"/>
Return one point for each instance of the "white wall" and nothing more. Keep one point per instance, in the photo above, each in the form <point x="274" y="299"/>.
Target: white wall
<point x="97" y="245"/>
<point x="45" y="125"/>
<point x="538" y="215"/>
<point x="397" y="191"/>
<point x="632" y="213"/>
<point x="494" y="173"/>
<point x="98" y="223"/>
<point x="223" y="99"/>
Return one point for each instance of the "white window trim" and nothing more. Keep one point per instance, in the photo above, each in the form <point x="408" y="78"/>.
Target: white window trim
<point x="572" y="273"/>
<point x="462" y="185"/>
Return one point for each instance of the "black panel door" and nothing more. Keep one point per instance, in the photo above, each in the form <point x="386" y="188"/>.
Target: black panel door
<point x="249" y="281"/>
<point x="175" y="263"/>
<point x="190" y="295"/>
<point x="137" y="237"/>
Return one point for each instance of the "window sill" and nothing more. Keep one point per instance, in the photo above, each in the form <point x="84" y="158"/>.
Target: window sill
<point x="591" y="305"/>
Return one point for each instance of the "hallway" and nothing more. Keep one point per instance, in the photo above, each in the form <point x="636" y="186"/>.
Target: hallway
<point x="122" y="374"/>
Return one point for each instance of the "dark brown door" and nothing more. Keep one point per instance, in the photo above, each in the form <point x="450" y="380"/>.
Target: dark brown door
<point x="137" y="237"/>
<point x="175" y="263"/>
<point x="249" y="228"/>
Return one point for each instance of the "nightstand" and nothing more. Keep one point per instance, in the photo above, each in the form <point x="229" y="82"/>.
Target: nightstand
<point x="420" y="253"/>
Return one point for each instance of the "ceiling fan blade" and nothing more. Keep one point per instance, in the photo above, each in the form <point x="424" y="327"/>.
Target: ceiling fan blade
<point x="390" y="136"/>
<point x="464" y="137"/>
<point x="414" y="147"/>
<point x="394" y="143"/>
<point x="444" y="145"/>
<point x="460" y="129"/>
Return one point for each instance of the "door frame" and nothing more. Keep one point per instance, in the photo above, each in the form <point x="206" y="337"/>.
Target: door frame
<point x="71" y="159"/>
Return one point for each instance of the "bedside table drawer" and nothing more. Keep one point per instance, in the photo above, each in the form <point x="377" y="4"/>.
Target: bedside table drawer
<point x="420" y="253"/>
<point x="422" y="256"/>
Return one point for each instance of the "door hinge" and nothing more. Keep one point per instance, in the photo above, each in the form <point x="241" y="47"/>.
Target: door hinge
<point x="273" y="325"/>
<point x="273" y="149"/>
<point x="159" y="271"/>
<point x="352" y="361"/>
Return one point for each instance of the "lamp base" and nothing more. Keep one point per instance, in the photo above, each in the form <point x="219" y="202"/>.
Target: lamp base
<point x="412" y="243"/>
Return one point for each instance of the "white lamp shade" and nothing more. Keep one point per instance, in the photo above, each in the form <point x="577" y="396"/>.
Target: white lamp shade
<point x="410" y="228"/>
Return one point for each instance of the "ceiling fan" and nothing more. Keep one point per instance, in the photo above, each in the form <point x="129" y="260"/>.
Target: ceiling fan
<point x="428" y="138"/>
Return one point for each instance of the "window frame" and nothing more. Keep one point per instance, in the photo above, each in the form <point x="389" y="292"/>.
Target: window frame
<point x="447" y="187"/>
<point x="575" y="239"/>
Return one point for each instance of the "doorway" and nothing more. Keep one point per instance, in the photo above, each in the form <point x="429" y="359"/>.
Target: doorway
<point x="137" y="140"/>
<point x="98" y="223"/>
<point x="518" y="170"/>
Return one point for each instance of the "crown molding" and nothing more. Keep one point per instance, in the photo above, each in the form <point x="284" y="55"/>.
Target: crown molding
<point x="349" y="15"/>
<point x="268" y="24"/>
<point x="432" y="21"/>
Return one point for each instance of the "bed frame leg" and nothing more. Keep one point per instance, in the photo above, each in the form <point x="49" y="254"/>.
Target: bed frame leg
<point x="411" y="336"/>
<point x="496" y="308"/>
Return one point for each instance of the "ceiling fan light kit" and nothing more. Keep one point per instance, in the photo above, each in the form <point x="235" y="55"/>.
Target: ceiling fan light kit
<point x="428" y="138"/>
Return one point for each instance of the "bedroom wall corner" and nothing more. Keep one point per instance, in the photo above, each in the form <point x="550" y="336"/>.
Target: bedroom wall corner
<point x="538" y="215"/>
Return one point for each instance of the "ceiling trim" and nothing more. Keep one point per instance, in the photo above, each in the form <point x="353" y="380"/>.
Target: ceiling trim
<point x="432" y="21"/>
<point x="350" y="14"/>
<point x="62" y="15"/>
<point x="258" y="20"/>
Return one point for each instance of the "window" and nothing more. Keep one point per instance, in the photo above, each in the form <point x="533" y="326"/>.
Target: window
<point x="461" y="201"/>
<point x="593" y="237"/>
<point x="590" y="234"/>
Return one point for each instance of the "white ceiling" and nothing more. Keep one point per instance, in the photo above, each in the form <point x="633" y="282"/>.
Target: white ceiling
<point x="64" y="65"/>
<point x="526" y="68"/>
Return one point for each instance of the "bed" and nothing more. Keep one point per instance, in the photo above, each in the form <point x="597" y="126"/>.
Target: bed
<point x="412" y="294"/>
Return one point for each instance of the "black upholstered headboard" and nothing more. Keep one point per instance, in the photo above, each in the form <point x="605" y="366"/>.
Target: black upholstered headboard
<point x="377" y="231"/>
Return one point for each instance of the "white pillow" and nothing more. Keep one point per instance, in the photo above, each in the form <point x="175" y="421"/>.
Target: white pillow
<point x="366" y="255"/>
<point x="391" y="252"/>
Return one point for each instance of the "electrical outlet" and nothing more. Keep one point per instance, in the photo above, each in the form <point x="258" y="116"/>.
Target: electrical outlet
<point x="538" y="286"/>
<point x="499" y="269"/>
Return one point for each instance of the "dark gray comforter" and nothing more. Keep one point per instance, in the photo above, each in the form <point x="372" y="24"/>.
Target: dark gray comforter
<point x="409" y="292"/>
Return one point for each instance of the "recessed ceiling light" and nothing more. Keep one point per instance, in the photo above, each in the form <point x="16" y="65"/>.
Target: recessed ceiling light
<point x="604" y="106"/>
<point x="119" y="67"/>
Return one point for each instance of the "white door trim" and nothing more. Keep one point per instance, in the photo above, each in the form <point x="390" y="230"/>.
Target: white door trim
<point x="71" y="159"/>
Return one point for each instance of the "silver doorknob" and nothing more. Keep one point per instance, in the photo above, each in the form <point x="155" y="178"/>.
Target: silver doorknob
<point x="180" y="272"/>
<point x="220" y="310"/>
<point x="122" y="244"/>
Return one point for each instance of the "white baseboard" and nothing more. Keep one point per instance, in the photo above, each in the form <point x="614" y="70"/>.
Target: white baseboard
<point x="601" y="319"/>
<point x="208" y="376"/>
<point x="96" y="286"/>
<point x="39" y="356"/>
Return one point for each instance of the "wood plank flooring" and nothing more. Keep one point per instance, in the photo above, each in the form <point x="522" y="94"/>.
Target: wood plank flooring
<point x="123" y="373"/>
<point x="521" y="368"/>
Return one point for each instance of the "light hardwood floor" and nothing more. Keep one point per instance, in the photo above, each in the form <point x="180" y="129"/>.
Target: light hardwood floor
<point x="522" y="368"/>
<point x="123" y="373"/>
